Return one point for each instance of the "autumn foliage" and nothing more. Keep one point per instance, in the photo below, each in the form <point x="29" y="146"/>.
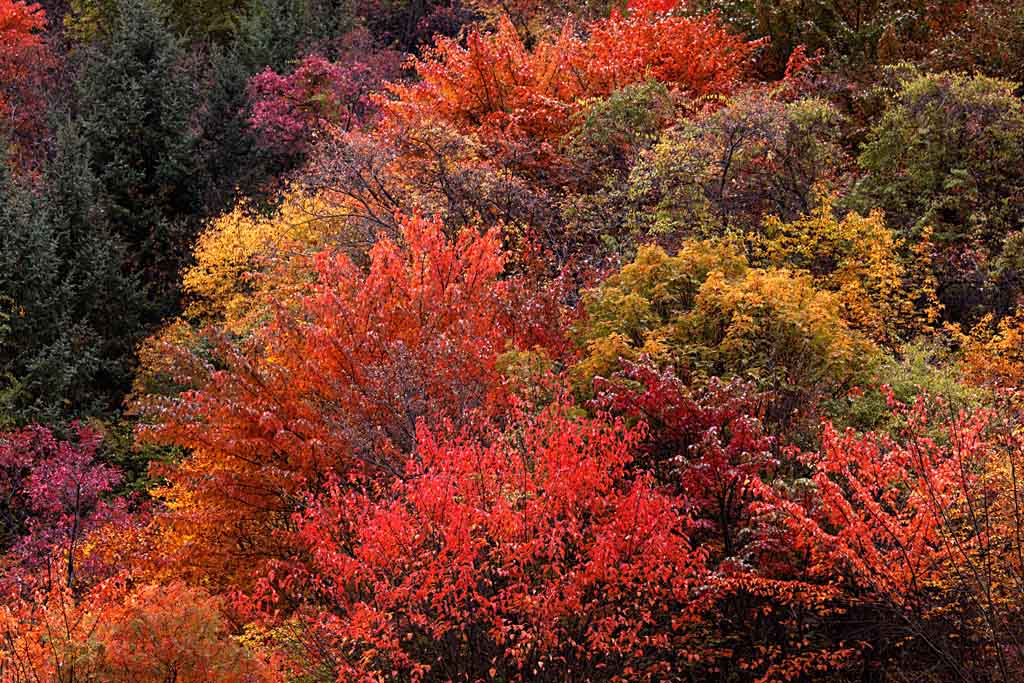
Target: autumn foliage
<point x="521" y="552"/>
<point x="923" y="526"/>
<point x="53" y="496"/>
<point x="521" y="101"/>
<point x="319" y="94"/>
<point x="336" y="382"/>
<point x="473" y="341"/>
<point x="24" y="57"/>
<point x="153" y="633"/>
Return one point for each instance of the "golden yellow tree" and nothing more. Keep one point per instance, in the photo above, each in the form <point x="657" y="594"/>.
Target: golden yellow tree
<point x="875" y="277"/>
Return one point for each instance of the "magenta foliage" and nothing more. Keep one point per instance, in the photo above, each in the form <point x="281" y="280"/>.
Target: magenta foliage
<point x="288" y="110"/>
<point x="51" y="496"/>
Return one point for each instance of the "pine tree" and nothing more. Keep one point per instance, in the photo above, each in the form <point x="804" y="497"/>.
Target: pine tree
<point x="233" y="164"/>
<point x="137" y="104"/>
<point x="105" y="299"/>
<point x="29" y="283"/>
<point x="274" y="33"/>
<point x="71" y="317"/>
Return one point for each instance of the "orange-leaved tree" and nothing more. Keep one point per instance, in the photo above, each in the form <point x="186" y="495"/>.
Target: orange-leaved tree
<point x="332" y="385"/>
<point x="150" y="634"/>
<point x="522" y="102"/>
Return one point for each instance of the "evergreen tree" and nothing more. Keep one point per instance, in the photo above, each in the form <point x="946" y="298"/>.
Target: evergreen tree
<point x="71" y="317"/>
<point x="233" y="164"/>
<point x="29" y="269"/>
<point x="105" y="295"/>
<point x="274" y="33"/>
<point x="137" y="104"/>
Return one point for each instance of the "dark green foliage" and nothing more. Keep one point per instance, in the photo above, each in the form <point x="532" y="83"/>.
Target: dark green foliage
<point x="921" y="367"/>
<point x="611" y="131"/>
<point x="194" y="20"/>
<point x="136" y="102"/>
<point x="71" y="314"/>
<point x="213" y="19"/>
<point x="270" y="34"/>
<point x="851" y="34"/>
<point x="232" y="164"/>
<point x="29" y="271"/>
<point x="275" y="33"/>
<point x="948" y="153"/>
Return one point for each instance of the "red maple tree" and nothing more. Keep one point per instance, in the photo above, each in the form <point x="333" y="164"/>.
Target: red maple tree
<point x="24" y="58"/>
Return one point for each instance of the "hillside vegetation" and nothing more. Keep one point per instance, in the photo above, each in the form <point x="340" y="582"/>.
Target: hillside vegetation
<point x="462" y="340"/>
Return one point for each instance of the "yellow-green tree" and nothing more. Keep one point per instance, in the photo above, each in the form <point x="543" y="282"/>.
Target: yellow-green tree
<point x="708" y="312"/>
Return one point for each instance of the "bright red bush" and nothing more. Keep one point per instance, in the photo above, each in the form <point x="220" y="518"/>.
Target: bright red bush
<point x="921" y="529"/>
<point x="528" y="554"/>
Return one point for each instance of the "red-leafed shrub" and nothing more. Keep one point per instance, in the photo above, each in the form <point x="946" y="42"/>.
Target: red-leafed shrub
<point x="52" y="495"/>
<point x="529" y="554"/>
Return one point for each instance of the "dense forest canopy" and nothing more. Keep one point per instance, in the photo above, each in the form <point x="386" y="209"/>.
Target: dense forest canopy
<point x="479" y="340"/>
